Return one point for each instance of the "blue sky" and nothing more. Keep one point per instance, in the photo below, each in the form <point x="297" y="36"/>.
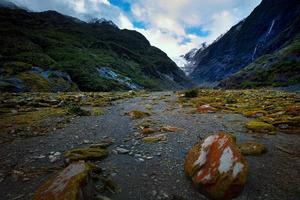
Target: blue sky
<point x="175" y="26"/>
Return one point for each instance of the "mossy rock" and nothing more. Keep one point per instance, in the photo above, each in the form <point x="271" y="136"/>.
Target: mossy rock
<point x="73" y="183"/>
<point x="90" y="153"/>
<point x="260" y="127"/>
<point x="97" y="112"/>
<point x="136" y="114"/>
<point x="252" y="148"/>
<point x="155" y="138"/>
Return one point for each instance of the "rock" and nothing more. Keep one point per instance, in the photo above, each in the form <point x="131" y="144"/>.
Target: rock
<point x="206" y="109"/>
<point x="216" y="167"/>
<point x="252" y="148"/>
<point x="103" y="144"/>
<point x="54" y="156"/>
<point x="136" y="114"/>
<point x="261" y="127"/>
<point x="155" y="138"/>
<point x="293" y="110"/>
<point x="255" y="114"/>
<point x="147" y="131"/>
<point x="100" y="197"/>
<point x="122" y="150"/>
<point x="90" y="153"/>
<point x="72" y="183"/>
<point x="169" y="129"/>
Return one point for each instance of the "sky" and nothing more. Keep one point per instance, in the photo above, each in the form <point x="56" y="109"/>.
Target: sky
<point x="174" y="26"/>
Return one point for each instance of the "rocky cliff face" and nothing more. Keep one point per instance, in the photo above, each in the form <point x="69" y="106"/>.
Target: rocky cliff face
<point x="267" y="30"/>
<point x="66" y="46"/>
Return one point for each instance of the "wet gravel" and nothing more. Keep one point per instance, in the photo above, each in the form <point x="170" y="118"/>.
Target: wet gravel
<point x="150" y="170"/>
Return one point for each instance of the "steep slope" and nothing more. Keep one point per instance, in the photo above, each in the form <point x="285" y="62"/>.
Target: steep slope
<point x="41" y="50"/>
<point x="268" y="29"/>
<point x="281" y="68"/>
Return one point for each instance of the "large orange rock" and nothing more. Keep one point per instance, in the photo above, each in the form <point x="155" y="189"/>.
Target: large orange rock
<point x="216" y="167"/>
<point x="73" y="183"/>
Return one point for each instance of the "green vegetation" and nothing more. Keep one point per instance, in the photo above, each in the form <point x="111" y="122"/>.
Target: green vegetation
<point x="79" y="49"/>
<point x="74" y="108"/>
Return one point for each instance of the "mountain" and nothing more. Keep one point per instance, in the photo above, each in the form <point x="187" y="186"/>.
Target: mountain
<point x="261" y="50"/>
<point x="51" y="52"/>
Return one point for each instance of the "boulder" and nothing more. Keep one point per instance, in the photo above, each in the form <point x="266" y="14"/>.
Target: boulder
<point x="216" y="167"/>
<point x="252" y="148"/>
<point x="72" y="183"/>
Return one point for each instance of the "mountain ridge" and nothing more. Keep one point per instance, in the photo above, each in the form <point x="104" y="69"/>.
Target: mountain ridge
<point x="52" y="41"/>
<point x="267" y="30"/>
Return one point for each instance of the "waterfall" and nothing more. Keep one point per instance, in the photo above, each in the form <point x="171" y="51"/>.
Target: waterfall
<point x="271" y="28"/>
<point x="262" y="41"/>
<point x="254" y="52"/>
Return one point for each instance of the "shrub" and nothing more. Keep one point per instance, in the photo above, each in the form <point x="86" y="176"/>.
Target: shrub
<point x="74" y="108"/>
<point x="191" y="93"/>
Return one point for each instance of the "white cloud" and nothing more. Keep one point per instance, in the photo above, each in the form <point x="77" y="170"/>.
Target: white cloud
<point x="169" y="20"/>
<point x="166" y="22"/>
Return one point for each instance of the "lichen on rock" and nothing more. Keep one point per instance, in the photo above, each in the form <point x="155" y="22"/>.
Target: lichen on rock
<point x="216" y="167"/>
<point x="72" y="183"/>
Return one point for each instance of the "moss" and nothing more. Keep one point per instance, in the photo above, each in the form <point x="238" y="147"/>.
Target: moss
<point x="35" y="119"/>
<point x="36" y="82"/>
<point x="68" y="184"/>
<point x="259" y="126"/>
<point x="252" y="148"/>
<point x="97" y="112"/>
<point x="90" y="153"/>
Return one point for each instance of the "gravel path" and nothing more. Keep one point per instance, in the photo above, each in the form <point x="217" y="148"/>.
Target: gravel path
<point x="150" y="170"/>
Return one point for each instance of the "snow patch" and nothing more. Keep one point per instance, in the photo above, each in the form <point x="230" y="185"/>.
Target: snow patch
<point x="226" y="160"/>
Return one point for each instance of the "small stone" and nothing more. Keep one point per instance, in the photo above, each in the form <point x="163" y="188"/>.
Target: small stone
<point x="155" y="138"/>
<point x="154" y="192"/>
<point x="141" y="159"/>
<point x="122" y="150"/>
<point x="53" y="158"/>
<point x="57" y="154"/>
<point x="25" y="179"/>
<point x="206" y="109"/>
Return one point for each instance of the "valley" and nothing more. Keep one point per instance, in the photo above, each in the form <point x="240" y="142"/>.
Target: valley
<point x="136" y="168"/>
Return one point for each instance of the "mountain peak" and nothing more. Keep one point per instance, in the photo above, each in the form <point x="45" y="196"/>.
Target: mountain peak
<point x="102" y="21"/>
